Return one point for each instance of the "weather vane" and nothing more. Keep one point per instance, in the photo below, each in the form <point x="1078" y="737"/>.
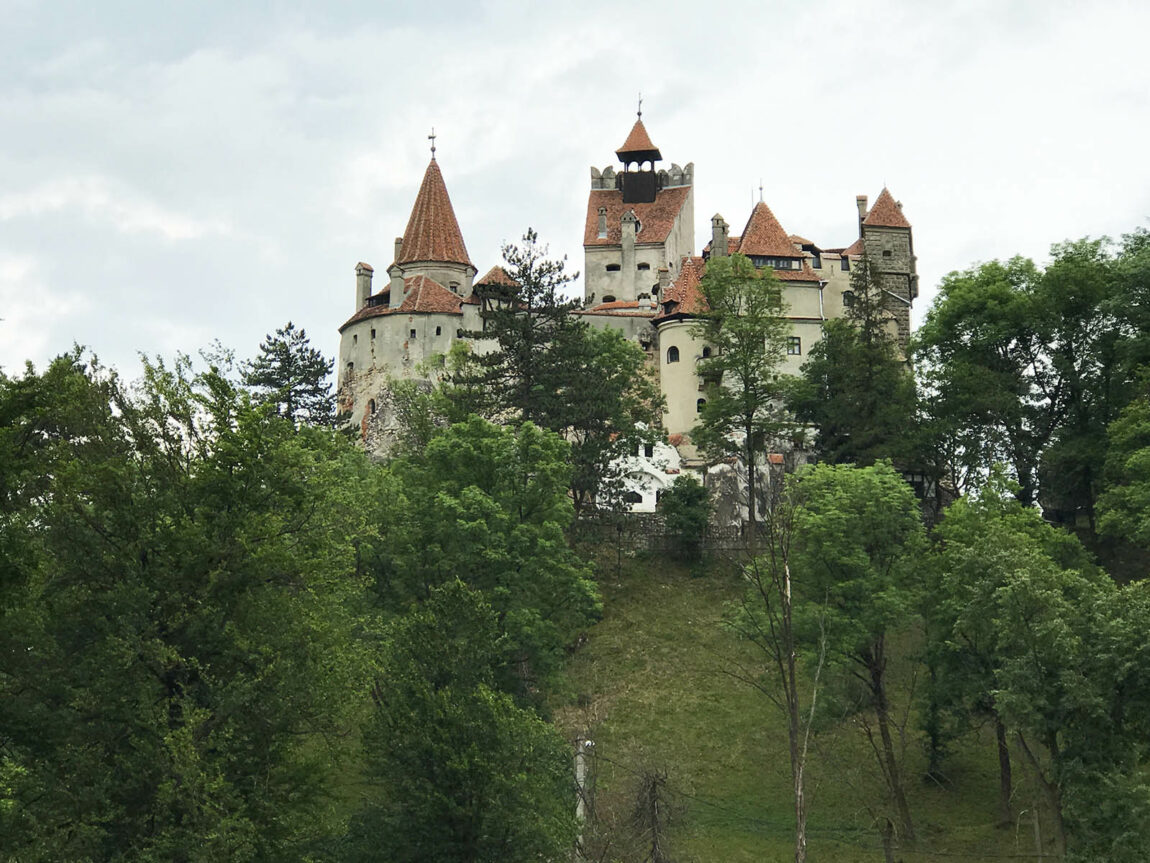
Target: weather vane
<point x="760" y="190"/>
<point x="640" y="111"/>
<point x="431" y="138"/>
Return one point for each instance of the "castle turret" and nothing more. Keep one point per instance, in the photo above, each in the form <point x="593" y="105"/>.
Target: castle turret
<point x="638" y="219"/>
<point x="889" y="245"/>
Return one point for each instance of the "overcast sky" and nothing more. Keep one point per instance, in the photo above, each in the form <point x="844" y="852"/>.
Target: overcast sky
<point x="175" y="173"/>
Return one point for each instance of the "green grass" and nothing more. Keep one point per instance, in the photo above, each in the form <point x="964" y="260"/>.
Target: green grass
<point x="651" y="688"/>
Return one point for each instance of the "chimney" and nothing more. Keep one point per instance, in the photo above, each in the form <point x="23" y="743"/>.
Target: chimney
<point x="362" y="284"/>
<point x="395" y="300"/>
<point x="664" y="280"/>
<point x="860" y="202"/>
<point x="718" y="236"/>
<point x="398" y="249"/>
<point x="629" y="225"/>
<point x="602" y="223"/>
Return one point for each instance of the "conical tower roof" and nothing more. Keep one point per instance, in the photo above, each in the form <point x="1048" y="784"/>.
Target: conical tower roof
<point x="765" y="236"/>
<point x="638" y="146"/>
<point x="432" y="232"/>
<point x="886" y="213"/>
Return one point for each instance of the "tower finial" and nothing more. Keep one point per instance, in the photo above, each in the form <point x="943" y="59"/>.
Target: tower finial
<point x="640" y="111"/>
<point x="431" y="138"/>
<point x="760" y="190"/>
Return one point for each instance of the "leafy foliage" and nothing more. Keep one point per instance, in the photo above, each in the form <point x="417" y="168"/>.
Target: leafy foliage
<point x="184" y="574"/>
<point x="459" y="772"/>
<point x="686" y="508"/>
<point x="745" y="327"/>
<point x="856" y="390"/>
<point x="593" y="387"/>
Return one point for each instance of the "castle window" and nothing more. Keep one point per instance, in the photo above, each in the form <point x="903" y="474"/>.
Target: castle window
<point x="794" y="346"/>
<point x="614" y="268"/>
<point x="610" y="298"/>
<point x="373" y="334"/>
<point x="699" y="405"/>
<point x="845" y="263"/>
<point x="355" y="340"/>
<point x="649" y="450"/>
<point x="413" y="334"/>
<point x="350" y="368"/>
<point x="371" y="406"/>
<point x="672" y="354"/>
<point x="848" y="298"/>
<point x="439" y="331"/>
<point x="643" y="266"/>
<point x="817" y="261"/>
<point x="454" y="287"/>
<point x="706" y="353"/>
<point x="886" y="253"/>
<point x="632" y="497"/>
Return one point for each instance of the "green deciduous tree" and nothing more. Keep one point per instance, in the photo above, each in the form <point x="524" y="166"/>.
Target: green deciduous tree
<point x="858" y="538"/>
<point x="178" y="639"/>
<point x="458" y="771"/>
<point x="1124" y="506"/>
<point x="489" y="504"/>
<point x="686" y="508"/>
<point x="745" y="327"/>
<point x="292" y="377"/>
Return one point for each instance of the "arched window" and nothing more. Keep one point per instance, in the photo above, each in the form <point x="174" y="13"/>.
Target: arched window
<point x="706" y="353"/>
<point x="643" y="266"/>
<point x="699" y="405"/>
<point x="632" y="497"/>
<point x="848" y="298"/>
<point x="672" y="354"/>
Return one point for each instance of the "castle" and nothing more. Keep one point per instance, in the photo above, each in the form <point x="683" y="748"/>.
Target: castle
<point x="641" y="276"/>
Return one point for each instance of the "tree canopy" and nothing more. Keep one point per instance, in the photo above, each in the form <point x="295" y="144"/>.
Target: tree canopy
<point x="292" y="377"/>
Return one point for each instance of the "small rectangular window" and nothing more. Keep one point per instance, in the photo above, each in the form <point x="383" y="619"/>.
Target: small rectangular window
<point x="648" y="450"/>
<point x="845" y="263"/>
<point x="794" y="346"/>
<point x="373" y="334"/>
<point x="413" y="334"/>
<point x="439" y="331"/>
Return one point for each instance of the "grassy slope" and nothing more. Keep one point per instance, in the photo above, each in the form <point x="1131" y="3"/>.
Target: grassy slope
<point x="649" y="686"/>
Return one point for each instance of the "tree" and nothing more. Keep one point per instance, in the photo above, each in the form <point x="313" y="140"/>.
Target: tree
<point x="1125" y="504"/>
<point x="593" y="387"/>
<point x="489" y="504"/>
<point x="686" y="508"/>
<point x="856" y="390"/>
<point x="745" y="327"/>
<point x="858" y="538"/>
<point x="179" y="640"/>
<point x="765" y="617"/>
<point x="292" y="377"/>
<point x="458" y="771"/>
<point x="1022" y="367"/>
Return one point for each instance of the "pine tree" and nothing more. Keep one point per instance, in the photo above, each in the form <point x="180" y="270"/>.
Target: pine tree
<point x="292" y="376"/>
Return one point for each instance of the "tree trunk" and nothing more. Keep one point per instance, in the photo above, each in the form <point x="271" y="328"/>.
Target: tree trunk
<point x="882" y="713"/>
<point x="1052" y="793"/>
<point x="1005" y="781"/>
<point x="798" y="759"/>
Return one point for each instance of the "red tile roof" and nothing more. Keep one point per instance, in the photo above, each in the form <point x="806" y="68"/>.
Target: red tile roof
<point x="432" y="232"/>
<point x="620" y="308"/>
<point x="854" y="249"/>
<point x="656" y="219"/>
<point x="367" y="267"/>
<point x="886" y="213"/>
<point x="683" y="297"/>
<point x="639" y="143"/>
<point x="765" y="236"/>
<point x="497" y="276"/>
<point x="422" y="296"/>
<point x="806" y="274"/>
<point x="802" y="241"/>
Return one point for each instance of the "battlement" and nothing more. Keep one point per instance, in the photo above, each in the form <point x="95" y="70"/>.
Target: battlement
<point x="610" y="178"/>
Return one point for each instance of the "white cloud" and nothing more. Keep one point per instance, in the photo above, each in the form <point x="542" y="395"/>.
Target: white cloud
<point x="98" y="199"/>
<point x="31" y="312"/>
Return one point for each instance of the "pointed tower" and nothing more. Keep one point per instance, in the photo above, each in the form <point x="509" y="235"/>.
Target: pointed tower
<point x="886" y="236"/>
<point x="417" y="314"/>
<point x="639" y="219"/>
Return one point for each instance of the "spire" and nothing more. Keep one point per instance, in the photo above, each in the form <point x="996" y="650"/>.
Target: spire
<point x="432" y="232"/>
<point x="886" y="212"/>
